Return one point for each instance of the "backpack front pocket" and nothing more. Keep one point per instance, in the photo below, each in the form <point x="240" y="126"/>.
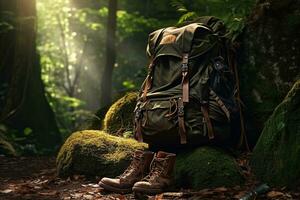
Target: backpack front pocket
<point x="159" y="117"/>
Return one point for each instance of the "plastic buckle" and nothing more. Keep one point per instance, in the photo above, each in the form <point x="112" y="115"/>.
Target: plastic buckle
<point x="184" y="67"/>
<point x="181" y="111"/>
<point x="138" y="114"/>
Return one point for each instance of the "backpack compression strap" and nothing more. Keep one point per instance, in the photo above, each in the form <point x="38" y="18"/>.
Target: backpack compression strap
<point x="152" y="43"/>
<point x="148" y="80"/>
<point x="185" y="79"/>
<point x="182" y="131"/>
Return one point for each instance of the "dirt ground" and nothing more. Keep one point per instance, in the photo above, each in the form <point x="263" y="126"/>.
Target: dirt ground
<point x="34" y="178"/>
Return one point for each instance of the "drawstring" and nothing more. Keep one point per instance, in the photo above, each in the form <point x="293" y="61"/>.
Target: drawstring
<point x="171" y="114"/>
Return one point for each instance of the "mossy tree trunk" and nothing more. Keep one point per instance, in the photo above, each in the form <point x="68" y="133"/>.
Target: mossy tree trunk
<point x="23" y="103"/>
<point x="269" y="59"/>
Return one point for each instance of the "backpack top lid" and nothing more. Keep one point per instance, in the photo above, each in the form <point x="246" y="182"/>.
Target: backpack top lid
<point x="195" y="38"/>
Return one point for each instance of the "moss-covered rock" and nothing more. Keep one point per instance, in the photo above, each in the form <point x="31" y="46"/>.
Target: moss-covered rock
<point x="119" y="117"/>
<point x="276" y="157"/>
<point x="206" y="167"/>
<point x="98" y="153"/>
<point x="95" y="153"/>
<point x="268" y="59"/>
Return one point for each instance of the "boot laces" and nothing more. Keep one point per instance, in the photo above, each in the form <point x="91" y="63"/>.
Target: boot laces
<point x="157" y="167"/>
<point x="132" y="168"/>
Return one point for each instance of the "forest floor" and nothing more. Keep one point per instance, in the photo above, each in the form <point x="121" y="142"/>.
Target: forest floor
<point x="34" y="178"/>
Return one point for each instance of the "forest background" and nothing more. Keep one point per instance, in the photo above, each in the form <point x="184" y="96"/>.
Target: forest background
<point x="70" y="45"/>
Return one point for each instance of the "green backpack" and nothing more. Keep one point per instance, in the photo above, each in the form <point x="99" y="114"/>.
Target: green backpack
<point x="189" y="93"/>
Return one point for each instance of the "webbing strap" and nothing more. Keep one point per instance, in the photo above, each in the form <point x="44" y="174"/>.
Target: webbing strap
<point x="148" y="80"/>
<point x="221" y="104"/>
<point x="182" y="130"/>
<point x="233" y="62"/>
<point x="138" y="125"/>
<point x="185" y="80"/>
<point x="204" y="109"/>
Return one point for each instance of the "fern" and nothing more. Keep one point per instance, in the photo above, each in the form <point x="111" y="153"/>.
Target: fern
<point x="187" y="17"/>
<point x="179" y="5"/>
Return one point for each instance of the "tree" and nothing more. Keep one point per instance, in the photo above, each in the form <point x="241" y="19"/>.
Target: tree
<point x="23" y="103"/>
<point x="106" y="83"/>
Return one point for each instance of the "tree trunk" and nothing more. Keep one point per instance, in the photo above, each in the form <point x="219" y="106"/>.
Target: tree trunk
<point x="23" y="103"/>
<point x="106" y="84"/>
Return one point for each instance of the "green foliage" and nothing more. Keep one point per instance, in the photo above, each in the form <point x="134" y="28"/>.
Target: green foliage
<point x="73" y="38"/>
<point x="15" y="142"/>
<point x="62" y="47"/>
<point x="233" y="12"/>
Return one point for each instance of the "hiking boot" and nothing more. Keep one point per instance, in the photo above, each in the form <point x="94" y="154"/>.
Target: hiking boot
<point x="137" y="169"/>
<point x="160" y="175"/>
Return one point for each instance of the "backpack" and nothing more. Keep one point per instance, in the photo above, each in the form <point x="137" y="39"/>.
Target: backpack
<point x="189" y="93"/>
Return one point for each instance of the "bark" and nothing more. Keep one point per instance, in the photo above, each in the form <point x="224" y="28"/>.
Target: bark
<point x="106" y="83"/>
<point x="23" y="101"/>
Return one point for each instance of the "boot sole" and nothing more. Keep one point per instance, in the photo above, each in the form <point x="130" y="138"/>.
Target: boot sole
<point x="147" y="191"/>
<point x="114" y="189"/>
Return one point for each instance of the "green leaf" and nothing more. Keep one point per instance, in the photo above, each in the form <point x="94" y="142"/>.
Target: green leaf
<point x="27" y="131"/>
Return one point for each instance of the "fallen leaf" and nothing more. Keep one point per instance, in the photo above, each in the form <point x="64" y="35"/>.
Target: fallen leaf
<point x="48" y="193"/>
<point x="6" y="191"/>
<point x="159" y="197"/>
<point x="239" y="195"/>
<point x="273" y="194"/>
<point x="88" y="196"/>
<point x="93" y="185"/>
<point x="220" y="189"/>
<point x="76" y="195"/>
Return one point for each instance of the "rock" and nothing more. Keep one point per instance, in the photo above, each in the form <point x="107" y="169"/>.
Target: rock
<point x="119" y="117"/>
<point x="93" y="152"/>
<point x="97" y="153"/>
<point x="276" y="156"/>
<point x="206" y="167"/>
<point x="268" y="59"/>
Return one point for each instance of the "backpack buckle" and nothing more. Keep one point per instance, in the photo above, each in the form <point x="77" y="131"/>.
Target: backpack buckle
<point x="184" y="64"/>
<point x="138" y="114"/>
<point x="180" y="108"/>
<point x="184" y="67"/>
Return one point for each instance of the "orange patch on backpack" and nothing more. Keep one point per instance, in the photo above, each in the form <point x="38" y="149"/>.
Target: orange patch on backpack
<point x="168" y="39"/>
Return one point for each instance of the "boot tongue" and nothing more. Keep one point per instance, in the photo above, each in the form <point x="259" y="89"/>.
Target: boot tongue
<point x="138" y="154"/>
<point x="162" y="154"/>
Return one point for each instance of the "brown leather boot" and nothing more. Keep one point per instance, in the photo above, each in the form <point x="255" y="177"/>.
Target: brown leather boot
<point x="137" y="169"/>
<point x="160" y="175"/>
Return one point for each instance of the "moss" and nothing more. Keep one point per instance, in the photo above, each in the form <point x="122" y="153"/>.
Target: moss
<point x="276" y="157"/>
<point x="119" y="117"/>
<point x="95" y="153"/>
<point x="206" y="167"/>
